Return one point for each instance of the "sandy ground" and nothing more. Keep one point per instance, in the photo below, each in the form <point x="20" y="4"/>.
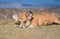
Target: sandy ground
<point x="9" y="30"/>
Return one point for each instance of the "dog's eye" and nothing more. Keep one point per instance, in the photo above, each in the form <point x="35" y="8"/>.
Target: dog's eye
<point x="25" y="21"/>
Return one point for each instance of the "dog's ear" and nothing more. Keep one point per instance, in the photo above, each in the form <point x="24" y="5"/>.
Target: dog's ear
<point x="29" y="14"/>
<point x="15" y="17"/>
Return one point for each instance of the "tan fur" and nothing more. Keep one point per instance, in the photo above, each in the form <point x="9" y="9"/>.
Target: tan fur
<point x="43" y="19"/>
<point x="38" y="19"/>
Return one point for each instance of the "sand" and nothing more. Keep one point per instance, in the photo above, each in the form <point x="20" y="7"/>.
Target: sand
<point x="9" y="30"/>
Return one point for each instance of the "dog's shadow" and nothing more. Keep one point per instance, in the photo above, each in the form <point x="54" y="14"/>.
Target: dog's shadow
<point x="17" y="23"/>
<point x="55" y="23"/>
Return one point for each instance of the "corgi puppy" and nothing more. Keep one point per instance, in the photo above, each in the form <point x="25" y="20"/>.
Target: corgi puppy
<point x="32" y="20"/>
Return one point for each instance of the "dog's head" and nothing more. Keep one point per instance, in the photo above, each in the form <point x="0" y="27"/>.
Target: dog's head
<point x="24" y="19"/>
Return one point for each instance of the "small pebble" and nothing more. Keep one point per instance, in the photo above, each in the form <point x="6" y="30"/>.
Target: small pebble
<point x="5" y="26"/>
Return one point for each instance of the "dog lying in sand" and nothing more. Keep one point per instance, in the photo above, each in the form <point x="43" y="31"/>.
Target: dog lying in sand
<point x="33" y="20"/>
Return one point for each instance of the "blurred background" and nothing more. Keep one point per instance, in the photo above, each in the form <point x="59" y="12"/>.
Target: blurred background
<point x="29" y="3"/>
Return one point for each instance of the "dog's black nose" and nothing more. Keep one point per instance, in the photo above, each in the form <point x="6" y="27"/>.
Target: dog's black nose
<point x="21" y="27"/>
